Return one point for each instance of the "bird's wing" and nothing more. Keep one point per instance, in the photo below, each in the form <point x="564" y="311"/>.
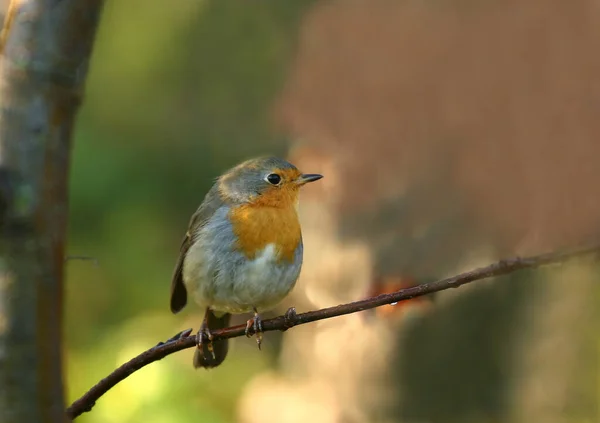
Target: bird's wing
<point x="212" y="202"/>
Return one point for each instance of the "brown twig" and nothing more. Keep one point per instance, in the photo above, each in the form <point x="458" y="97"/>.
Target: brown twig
<point x="183" y="340"/>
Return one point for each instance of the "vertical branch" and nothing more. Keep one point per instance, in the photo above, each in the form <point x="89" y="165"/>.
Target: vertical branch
<point x="45" y="46"/>
<point x="3" y="8"/>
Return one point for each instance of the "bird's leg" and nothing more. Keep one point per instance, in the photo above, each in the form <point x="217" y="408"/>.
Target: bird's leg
<point x="204" y="330"/>
<point x="256" y="324"/>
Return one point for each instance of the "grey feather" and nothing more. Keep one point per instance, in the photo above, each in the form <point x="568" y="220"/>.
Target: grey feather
<point x="212" y="202"/>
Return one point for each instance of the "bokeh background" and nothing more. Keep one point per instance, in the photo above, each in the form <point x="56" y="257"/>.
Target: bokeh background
<point x="450" y="133"/>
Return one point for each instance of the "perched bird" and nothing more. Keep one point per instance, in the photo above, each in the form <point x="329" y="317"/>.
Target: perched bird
<point x="242" y="251"/>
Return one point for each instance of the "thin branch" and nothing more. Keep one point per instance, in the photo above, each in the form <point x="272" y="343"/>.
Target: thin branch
<point x="184" y="340"/>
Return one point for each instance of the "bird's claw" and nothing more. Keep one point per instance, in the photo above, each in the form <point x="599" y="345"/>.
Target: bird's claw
<point x="202" y="332"/>
<point x="176" y="337"/>
<point x="257" y="328"/>
<point x="182" y="334"/>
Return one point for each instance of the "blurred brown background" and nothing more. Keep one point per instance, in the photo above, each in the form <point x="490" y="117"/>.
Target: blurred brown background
<point x="450" y="134"/>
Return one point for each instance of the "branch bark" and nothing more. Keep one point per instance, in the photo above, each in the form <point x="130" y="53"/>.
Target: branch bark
<point x="290" y="319"/>
<point x="45" y="46"/>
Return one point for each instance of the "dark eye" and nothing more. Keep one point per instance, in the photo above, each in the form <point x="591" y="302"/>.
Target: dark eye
<point x="273" y="179"/>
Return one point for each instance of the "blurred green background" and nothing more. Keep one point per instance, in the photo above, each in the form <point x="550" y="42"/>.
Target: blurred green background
<point x="451" y="134"/>
<point x="175" y="94"/>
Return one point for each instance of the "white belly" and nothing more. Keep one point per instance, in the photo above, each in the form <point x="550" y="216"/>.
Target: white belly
<point x="232" y="283"/>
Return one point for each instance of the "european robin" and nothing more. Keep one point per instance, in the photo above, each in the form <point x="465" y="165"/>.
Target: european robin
<point x="242" y="251"/>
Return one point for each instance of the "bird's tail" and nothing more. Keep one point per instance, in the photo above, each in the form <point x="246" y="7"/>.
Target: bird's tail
<point x="203" y="357"/>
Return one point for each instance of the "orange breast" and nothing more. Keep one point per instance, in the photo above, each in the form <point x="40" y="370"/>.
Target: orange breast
<point x="257" y="226"/>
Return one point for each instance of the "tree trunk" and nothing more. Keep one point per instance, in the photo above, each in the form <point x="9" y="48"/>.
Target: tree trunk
<point x="45" y="47"/>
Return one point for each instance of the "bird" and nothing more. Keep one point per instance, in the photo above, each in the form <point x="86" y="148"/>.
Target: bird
<point x="242" y="251"/>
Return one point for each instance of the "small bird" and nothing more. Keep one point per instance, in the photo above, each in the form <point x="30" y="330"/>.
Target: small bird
<point x="242" y="251"/>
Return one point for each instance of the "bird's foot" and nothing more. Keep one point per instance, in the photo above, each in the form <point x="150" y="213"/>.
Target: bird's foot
<point x="202" y="332"/>
<point x="257" y="329"/>
<point x="176" y="337"/>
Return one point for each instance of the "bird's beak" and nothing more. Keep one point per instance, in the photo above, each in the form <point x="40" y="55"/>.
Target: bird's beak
<point x="309" y="177"/>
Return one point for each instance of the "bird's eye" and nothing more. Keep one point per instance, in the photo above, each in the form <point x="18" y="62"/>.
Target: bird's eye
<point x="273" y="179"/>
